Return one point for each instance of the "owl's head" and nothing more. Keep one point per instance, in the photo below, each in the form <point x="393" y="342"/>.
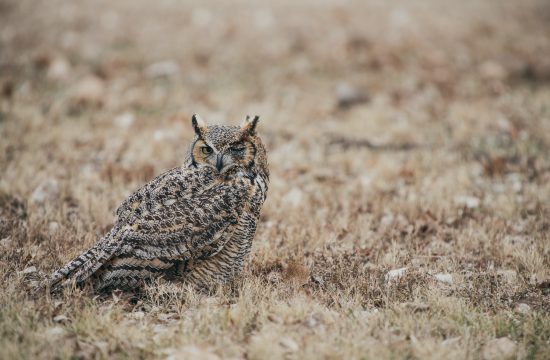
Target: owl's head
<point x="228" y="149"/>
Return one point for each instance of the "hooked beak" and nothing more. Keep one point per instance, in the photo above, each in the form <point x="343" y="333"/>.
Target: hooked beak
<point x="219" y="162"/>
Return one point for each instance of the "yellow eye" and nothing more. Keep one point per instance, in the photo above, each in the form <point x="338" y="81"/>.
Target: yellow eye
<point x="206" y="150"/>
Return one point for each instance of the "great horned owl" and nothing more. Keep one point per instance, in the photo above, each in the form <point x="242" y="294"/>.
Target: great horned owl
<point x="194" y="223"/>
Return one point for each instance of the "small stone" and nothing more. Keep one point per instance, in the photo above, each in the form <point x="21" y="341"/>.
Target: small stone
<point x="510" y="276"/>
<point x="138" y="315"/>
<point x="491" y="70"/>
<point x="274" y="319"/>
<point x="387" y="220"/>
<point x="395" y="274"/>
<point x="61" y="319"/>
<point x="29" y="270"/>
<point x="498" y="188"/>
<point x="160" y="328"/>
<point x="193" y="352"/>
<point x="502" y="348"/>
<point x="311" y="322"/>
<point x="53" y="228"/>
<point x="89" y="91"/>
<point x="57" y="305"/>
<point x="274" y="277"/>
<point x="444" y="278"/>
<point x="289" y="344"/>
<point x="517" y="186"/>
<point x="367" y="315"/>
<point x="162" y="69"/>
<point x="515" y="180"/>
<point x="55" y="332"/>
<point x="125" y="120"/>
<point x="471" y="202"/>
<point x="59" y="69"/>
<point x="417" y="307"/>
<point x="523" y="308"/>
<point x="317" y="279"/>
<point x="450" y="220"/>
<point x="160" y="135"/>
<point x="102" y="346"/>
<point x="47" y="190"/>
<point x="451" y="341"/>
<point x="211" y="301"/>
<point x="5" y="241"/>
<point x="168" y="317"/>
<point x="348" y="95"/>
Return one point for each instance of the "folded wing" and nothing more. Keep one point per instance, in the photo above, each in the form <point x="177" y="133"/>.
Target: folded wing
<point x="180" y="215"/>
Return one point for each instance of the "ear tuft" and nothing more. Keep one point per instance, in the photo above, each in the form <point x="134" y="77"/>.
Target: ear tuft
<point x="199" y="126"/>
<point x="249" y="125"/>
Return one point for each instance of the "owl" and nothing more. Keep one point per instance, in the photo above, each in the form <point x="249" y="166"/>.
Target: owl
<point x="194" y="223"/>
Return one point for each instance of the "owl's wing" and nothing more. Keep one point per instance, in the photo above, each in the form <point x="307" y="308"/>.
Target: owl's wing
<point x="182" y="222"/>
<point x="179" y="215"/>
<point x="127" y="207"/>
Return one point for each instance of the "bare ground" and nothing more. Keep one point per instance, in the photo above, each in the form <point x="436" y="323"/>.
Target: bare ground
<point x="409" y="145"/>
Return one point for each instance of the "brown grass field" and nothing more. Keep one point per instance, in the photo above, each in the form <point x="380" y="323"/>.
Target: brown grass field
<point x="408" y="215"/>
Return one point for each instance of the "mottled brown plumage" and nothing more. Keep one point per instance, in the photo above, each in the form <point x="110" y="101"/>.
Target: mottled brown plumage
<point x="194" y="223"/>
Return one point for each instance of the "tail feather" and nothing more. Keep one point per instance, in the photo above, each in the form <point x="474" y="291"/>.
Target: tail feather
<point x="86" y="264"/>
<point x="89" y="268"/>
<point x="77" y="270"/>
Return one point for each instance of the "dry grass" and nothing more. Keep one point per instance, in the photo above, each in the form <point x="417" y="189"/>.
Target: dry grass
<point x="438" y="162"/>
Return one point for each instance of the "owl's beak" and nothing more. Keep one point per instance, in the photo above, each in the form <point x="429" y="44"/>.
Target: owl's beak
<point x="219" y="162"/>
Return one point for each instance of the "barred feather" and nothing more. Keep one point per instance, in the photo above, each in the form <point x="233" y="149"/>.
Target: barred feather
<point x="194" y="223"/>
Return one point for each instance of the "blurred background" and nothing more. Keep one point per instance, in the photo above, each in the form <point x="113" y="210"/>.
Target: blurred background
<point x="366" y="94"/>
<point x="392" y="109"/>
<point x="371" y="110"/>
<point x="404" y="137"/>
<point x="426" y="72"/>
